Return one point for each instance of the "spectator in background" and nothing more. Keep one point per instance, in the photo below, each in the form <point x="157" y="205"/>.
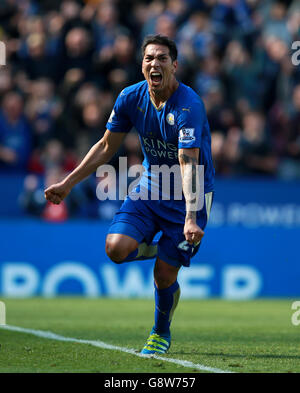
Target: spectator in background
<point x="68" y="58"/>
<point x="155" y="9"/>
<point x="279" y="129"/>
<point x="274" y="52"/>
<point x="293" y="147"/>
<point x="217" y="150"/>
<point x="92" y="126"/>
<point x="120" y="67"/>
<point x="166" y="25"/>
<point x="55" y="164"/>
<point x="286" y="81"/>
<point x="53" y="155"/>
<point x="197" y="36"/>
<point x="293" y="20"/>
<point x="133" y="149"/>
<point x="106" y="28"/>
<point x="70" y="11"/>
<point x="43" y="108"/>
<point x="241" y="76"/>
<point x="276" y="23"/>
<point x="221" y="115"/>
<point x="140" y="16"/>
<point x="74" y="16"/>
<point x="55" y="23"/>
<point x="6" y="80"/>
<point x="15" y="134"/>
<point x="38" y="63"/>
<point x="290" y="166"/>
<point x="195" y="42"/>
<point x="226" y="151"/>
<point x="279" y="116"/>
<point x="178" y="10"/>
<point x="78" y="53"/>
<point x="31" y="199"/>
<point x="231" y="18"/>
<point x="208" y="78"/>
<point x="256" y="156"/>
<point x="71" y="124"/>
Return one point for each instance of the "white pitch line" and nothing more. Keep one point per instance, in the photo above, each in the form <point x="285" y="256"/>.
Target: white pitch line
<point x="103" y="345"/>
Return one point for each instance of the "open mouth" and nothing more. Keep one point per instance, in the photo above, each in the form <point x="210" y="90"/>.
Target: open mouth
<point x="156" y="77"/>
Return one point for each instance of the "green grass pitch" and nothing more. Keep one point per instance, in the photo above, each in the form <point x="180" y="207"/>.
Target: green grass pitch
<point x="251" y="336"/>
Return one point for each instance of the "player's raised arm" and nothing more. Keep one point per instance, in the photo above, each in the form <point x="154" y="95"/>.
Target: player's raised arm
<point x="99" y="154"/>
<point x="188" y="159"/>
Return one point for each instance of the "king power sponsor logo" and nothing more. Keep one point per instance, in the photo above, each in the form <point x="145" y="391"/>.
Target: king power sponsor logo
<point x="255" y="215"/>
<point x="235" y="282"/>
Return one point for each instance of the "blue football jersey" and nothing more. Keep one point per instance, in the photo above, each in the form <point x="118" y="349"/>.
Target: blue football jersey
<point x="180" y="123"/>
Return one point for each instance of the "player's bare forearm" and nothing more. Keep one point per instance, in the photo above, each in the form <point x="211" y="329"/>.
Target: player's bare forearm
<point x="99" y="154"/>
<point x="188" y="159"/>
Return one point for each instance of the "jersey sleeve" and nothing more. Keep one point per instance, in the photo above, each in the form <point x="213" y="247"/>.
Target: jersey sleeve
<point x="191" y="122"/>
<point x="119" y="120"/>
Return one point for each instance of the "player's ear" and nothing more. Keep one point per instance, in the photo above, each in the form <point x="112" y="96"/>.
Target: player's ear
<point x="175" y="64"/>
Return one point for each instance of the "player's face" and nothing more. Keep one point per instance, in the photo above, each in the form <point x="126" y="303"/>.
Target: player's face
<point x="158" y="67"/>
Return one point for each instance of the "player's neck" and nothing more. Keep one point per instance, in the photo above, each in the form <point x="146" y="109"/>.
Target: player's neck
<point x="160" y="97"/>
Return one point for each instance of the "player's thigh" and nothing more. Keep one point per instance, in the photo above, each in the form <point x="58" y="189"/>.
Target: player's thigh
<point x="132" y="225"/>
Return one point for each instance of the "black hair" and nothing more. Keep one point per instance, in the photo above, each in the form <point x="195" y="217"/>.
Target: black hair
<point x="160" y="40"/>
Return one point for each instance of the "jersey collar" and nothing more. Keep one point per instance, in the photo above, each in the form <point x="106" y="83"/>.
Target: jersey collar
<point x="159" y="108"/>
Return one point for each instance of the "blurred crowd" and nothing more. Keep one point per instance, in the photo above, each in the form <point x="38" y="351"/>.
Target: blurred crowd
<point x="66" y="62"/>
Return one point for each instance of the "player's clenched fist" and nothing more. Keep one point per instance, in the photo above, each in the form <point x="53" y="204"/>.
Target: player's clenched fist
<point x="57" y="192"/>
<point x="192" y="232"/>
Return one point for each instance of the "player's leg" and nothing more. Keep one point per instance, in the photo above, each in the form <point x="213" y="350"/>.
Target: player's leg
<point x="167" y="293"/>
<point x="131" y="233"/>
<point x="122" y="248"/>
<point x="119" y="246"/>
<point x="173" y="252"/>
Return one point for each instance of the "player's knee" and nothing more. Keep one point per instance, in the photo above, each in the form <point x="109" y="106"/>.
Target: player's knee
<point x="117" y="248"/>
<point x="163" y="281"/>
<point x="164" y="275"/>
<point x="115" y="252"/>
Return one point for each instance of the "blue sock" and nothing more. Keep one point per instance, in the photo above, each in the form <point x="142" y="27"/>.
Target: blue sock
<point x="166" y="301"/>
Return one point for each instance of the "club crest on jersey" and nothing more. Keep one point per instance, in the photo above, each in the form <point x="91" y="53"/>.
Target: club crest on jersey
<point x="111" y="116"/>
<point x="186" y="135"/>
<point x="170" y="119"/>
